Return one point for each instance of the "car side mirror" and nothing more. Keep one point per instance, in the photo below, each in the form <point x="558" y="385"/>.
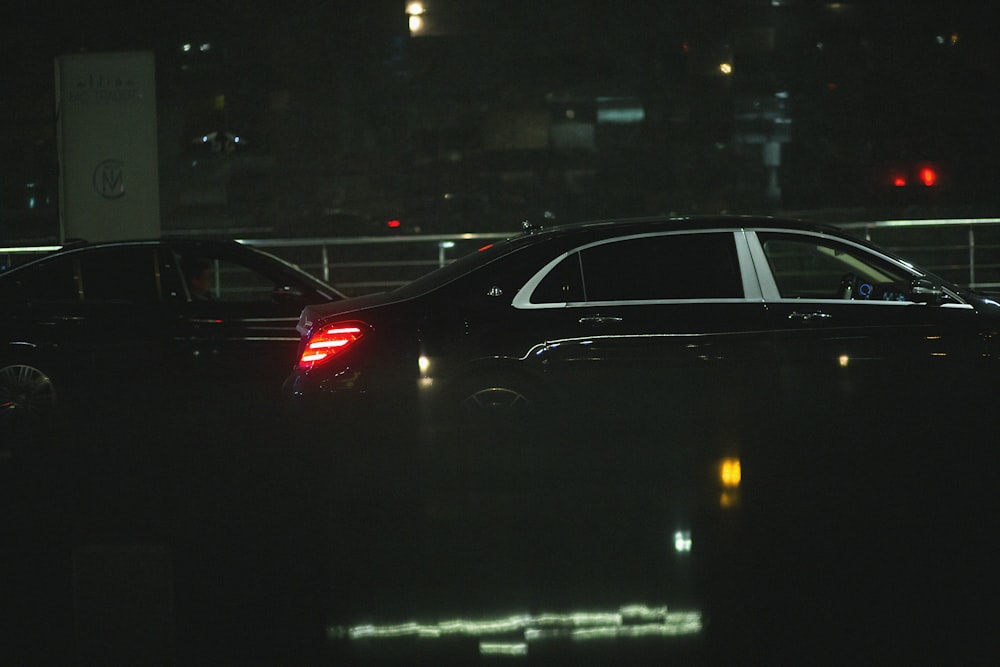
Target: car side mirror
<point x="924" y="291"/>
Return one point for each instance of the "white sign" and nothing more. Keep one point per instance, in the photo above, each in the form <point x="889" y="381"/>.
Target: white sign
<point x="109" y="176"/>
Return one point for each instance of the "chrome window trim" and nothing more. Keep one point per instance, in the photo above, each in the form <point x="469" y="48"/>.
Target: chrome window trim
<point x="752" y="289"/>
<point x="647" y="302"/>
<point x="522" y="300"/>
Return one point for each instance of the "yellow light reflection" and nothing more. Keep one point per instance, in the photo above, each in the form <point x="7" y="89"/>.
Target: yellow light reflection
<point x="726" y="68"/>
<point x="415" y="14"/>
<point x="425" y="381"/>
<point x="729" y="499"/>
<point x="730" y="473"/>
<point x="844" y="360"/>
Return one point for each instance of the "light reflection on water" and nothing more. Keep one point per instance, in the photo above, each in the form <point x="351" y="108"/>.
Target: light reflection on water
<point x="518" y="631"/>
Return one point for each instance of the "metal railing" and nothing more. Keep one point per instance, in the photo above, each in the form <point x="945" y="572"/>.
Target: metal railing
<point x="965" y="251"/>
<point x="363" y="264"/>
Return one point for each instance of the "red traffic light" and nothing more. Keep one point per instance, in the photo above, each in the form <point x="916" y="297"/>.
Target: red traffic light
<point x="928" y="175"/>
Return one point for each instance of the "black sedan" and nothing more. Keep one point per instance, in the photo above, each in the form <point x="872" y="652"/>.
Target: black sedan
<point x="806" y="414"/>
<point x="114" y="321"/>
<point x="638" y="311"/>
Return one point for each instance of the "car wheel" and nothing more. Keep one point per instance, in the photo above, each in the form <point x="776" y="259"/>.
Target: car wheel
<point x="488" y="404"/>
<point x="26" y="393"/>
<point x="498" y="397"/>
<point x="496" y="400"/>
<point x="500" y="394"/>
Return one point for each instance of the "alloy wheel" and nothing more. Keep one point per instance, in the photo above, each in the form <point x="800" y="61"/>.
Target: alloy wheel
<point x="25" y="392"/>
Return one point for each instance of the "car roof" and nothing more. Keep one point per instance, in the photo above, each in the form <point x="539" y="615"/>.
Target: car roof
<point x="80" y="244"/>
<point x="678" y="223"/>
<point x="73" y="246"/>
<point x="184" y="245"/>
<point x="639" y="225"/>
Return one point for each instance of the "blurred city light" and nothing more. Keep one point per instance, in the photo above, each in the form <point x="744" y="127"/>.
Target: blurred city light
<point x="629" y="621"/>
<point x="503" y="648"/>
<point x="730" y="476"/>
<point x="415" y="12"/>
<point x="730" y="473"/>
<point x="928" y="175"/>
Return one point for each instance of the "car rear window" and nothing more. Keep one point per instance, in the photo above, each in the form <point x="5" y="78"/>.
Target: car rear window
<point x="646" y="268"/>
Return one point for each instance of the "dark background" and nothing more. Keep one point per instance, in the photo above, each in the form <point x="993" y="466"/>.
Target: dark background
<point x="500" y="111"/>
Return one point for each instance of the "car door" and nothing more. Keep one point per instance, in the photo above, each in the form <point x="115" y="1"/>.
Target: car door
<point x="666" y="324"/>
<point x="242" y="328"/>
<point x="850" y="322"/>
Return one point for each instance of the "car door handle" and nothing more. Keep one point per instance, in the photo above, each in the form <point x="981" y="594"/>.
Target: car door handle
<point x="805" y="317"/>
<point x="599" y="320"/>
<point x="61" y="319"/>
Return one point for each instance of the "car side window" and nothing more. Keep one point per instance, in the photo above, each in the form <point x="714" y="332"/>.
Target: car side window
<point x="668" y="266"/>
<point x="214" y="278"/>
<point x="54" y="281"/>
<point x="814" y="268"/>
<point x="563" y="284"/>
<point x="110" y="275"/>
<point x="119" y="275"/>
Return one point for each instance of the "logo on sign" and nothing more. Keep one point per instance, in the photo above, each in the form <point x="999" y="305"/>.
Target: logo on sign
<point x="109" y="179"/>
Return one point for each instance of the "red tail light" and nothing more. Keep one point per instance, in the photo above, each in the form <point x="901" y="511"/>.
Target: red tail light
<point x="330" y="341"/>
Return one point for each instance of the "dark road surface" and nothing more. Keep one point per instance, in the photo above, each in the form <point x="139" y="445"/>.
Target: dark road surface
<point x="192" y="536"/>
